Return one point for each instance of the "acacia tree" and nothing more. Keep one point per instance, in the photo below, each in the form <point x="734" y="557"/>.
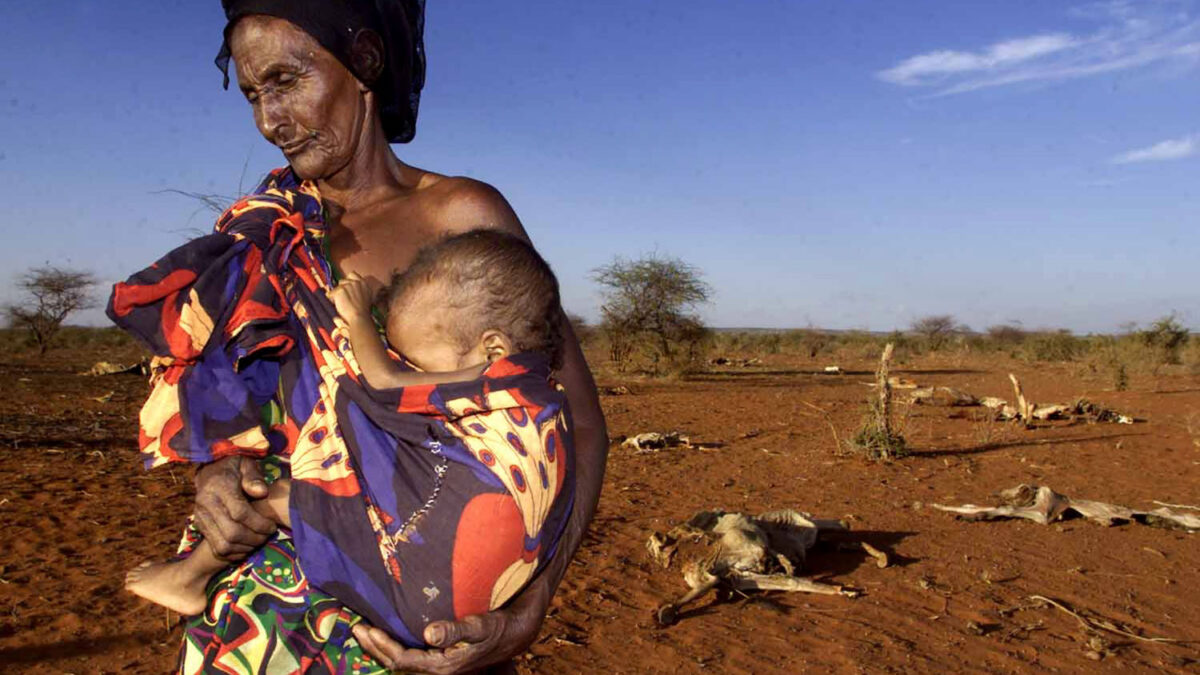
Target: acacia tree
<point x="53" y="294"/>
<point x="937" y="329"/>
<point x="649" y="309"/>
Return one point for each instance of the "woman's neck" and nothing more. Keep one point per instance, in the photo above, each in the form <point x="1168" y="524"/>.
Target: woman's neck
<point x="373" y="172"/>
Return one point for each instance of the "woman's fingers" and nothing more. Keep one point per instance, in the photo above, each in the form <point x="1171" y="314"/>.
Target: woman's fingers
<point x="211" y="528"/>
<point x="460" y="659"/>
<point x="252" y="479"/>
<point x="471" y="629"/>
<point x="395" y="656"/>
<point x="232" y="514"/>
<point x="381" y="653"/>
<point x="223" y="515"/>
<point x="254" y="525"/>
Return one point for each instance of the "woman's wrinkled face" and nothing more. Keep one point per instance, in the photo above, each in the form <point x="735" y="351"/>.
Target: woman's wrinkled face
<point x="304" y="100"/>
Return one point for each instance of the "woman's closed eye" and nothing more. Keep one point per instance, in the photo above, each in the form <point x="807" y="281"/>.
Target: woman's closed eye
<point x="277" y="83"/>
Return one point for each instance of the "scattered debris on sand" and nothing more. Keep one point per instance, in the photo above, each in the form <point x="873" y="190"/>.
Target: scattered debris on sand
<point x="737" y="363"/>
<point x="619" y="390"/>
<point x="1094" y="624"/>
<point x="895" y="382"/>
<point x="1043" y="505"/>
<point x="1080" y="409"/>
<point x="653" y="441"/>
<point x="733" y="551"/>
<point x="942" y="396"/>
<point x="1025" y="410"/>
<point x="107" y="368"/>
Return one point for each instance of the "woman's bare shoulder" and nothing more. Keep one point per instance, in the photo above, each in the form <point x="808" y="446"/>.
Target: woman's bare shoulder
<point x="460" y="203"/>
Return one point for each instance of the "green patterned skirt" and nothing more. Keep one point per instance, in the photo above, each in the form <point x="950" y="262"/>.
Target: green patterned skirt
<point x="264" y="618"/>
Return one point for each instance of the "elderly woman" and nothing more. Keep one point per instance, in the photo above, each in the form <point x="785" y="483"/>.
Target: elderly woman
<point x="331" y="84"/>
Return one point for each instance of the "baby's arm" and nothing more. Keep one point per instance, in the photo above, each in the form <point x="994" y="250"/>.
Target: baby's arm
<point x="353" y="302"/>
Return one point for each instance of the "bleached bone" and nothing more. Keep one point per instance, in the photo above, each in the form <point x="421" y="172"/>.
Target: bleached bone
<point x="1024" y="408"/>
<point x="108" y="368"/>
<point x="1043" y="505"/>
<point x="993" y="403"/>
<point x="653" y="441"/>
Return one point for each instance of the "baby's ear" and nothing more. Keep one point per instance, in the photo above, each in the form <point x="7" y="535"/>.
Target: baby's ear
<point x="496" y="345"/>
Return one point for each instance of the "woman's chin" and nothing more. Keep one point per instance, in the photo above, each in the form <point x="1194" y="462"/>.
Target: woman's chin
<point x="306" y="166"/>
<point x="304" y="170"/>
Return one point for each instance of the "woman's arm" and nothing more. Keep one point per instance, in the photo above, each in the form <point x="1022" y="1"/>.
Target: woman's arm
<point x="591" y="449"/>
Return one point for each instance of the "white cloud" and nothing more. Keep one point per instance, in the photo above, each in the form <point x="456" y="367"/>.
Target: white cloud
<point x="1176" y="148"/>
<point x="1130" y="36"/>
<point x="919" y="69"/>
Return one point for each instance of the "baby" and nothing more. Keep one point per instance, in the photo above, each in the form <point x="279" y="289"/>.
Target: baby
<point x="476" y="307"/>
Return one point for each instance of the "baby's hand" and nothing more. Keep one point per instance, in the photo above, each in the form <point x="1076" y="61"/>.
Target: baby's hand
<point x="352" y="298"/>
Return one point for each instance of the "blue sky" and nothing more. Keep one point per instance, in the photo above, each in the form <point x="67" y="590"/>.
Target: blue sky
<point x="836" y="163"/>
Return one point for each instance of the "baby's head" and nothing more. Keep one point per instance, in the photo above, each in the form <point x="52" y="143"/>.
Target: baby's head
<point x="475" y="296"/>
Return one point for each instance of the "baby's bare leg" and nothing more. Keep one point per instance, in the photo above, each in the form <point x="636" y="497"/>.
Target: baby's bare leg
<point x="180" y="584"/>
<point x="177" y="584"/>
<point x="275" y="506"/>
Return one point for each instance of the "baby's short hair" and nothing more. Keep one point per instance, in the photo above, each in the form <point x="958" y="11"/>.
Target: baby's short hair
<point x="501" y="282"/>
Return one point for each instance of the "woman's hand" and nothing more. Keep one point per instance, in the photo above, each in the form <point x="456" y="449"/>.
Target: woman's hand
<point x="352" y="298"/>
<point x="223" y="513"/>
<point x="462" y="646"/>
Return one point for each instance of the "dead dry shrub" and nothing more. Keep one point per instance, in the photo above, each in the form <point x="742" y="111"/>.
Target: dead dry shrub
<point x="1141" y="352"/>
<point x="877" y="439"/>
<point x="1120" y="377"/>
<point x="1190" y="355"/>
<point x="1192" y="423"/>
<point x="1007" y="335"/>
<point x="808" y="342"/>
<point x="1109" y="360"/>
<point x="1165" y="338"/>
<point x="1053" y="346"/>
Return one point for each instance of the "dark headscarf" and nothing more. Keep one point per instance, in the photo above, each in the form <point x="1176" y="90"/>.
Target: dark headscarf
<point x="334" y="24"/>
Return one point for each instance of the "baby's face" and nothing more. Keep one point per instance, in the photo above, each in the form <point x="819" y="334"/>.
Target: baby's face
<point x="420" y="326"/>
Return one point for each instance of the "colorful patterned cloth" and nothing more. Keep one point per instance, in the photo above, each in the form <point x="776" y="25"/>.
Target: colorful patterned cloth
<point x="407" y="505"/>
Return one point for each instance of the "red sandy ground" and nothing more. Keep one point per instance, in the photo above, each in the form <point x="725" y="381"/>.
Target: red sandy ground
<point x="77" y="511"/>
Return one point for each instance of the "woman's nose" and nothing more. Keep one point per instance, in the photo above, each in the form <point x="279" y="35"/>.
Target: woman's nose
<point x="271" y="117"/>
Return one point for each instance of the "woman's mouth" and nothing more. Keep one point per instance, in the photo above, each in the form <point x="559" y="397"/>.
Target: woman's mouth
<point x="294" y="147"/>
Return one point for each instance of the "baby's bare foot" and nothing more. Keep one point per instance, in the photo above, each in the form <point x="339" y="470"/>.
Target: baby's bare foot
<point x="170" y="584"/>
